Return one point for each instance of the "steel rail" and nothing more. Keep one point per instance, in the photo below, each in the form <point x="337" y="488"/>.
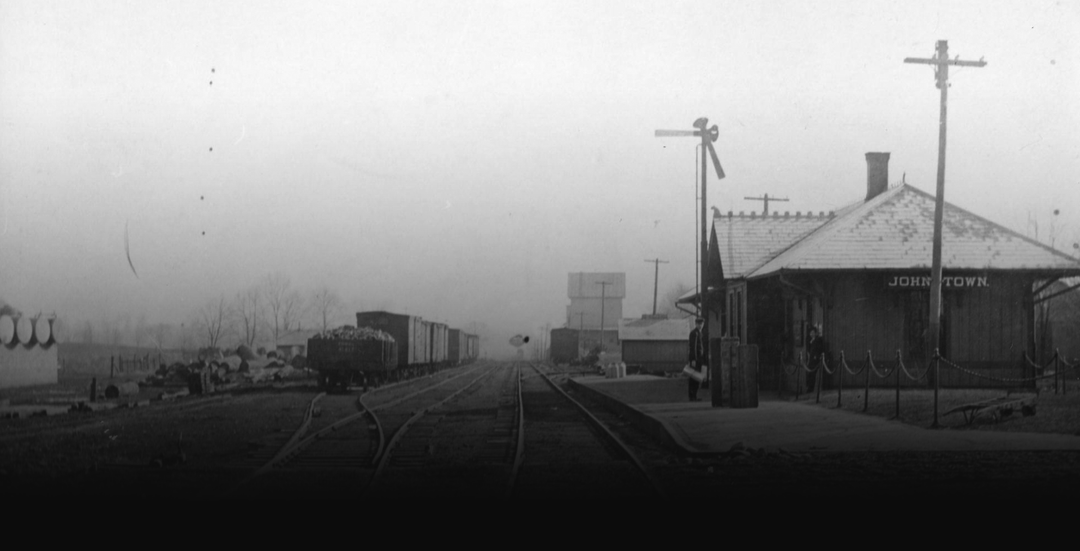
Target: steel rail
<point x="381" y="449"/>
<point x="297" y="442"/>
<point x="519" y="450"/>
<point x="404" y="428"/>
<point x="619" y="444"/>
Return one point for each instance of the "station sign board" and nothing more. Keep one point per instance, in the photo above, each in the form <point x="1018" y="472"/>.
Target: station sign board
<point x="948" y="281"/>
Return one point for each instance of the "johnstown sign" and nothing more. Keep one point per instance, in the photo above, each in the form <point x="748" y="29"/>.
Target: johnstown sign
<point x="947" y="281"/>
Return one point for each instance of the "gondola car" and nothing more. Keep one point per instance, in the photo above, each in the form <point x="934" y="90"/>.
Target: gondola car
<point x="349" y="355"/>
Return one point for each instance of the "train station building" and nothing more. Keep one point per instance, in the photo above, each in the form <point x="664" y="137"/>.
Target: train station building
<point x="861" y="275"/>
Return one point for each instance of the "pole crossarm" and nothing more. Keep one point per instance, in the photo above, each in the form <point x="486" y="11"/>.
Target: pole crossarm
<point x="766" y="198"/>
<point x="936" y="61"/>
<point x="677" y="133"/>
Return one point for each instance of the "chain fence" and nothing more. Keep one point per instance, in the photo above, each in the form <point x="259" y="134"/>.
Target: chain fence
<point x="1062" y="372"/>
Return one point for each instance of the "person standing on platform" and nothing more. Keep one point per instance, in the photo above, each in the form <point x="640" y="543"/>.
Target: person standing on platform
<point x="815" y="348"/>
<point x="697" y="355"/>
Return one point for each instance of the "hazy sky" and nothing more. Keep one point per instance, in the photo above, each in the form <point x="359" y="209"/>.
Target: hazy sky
<point x="456" y="160"/>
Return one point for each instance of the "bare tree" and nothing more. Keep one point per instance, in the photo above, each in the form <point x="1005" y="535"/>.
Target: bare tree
<point x="326" y="306"/>
<point x="282" y="302"/>
<point x="211" y="321"/>
<point x="246" y="309"/>
<point x="293" y="309"/>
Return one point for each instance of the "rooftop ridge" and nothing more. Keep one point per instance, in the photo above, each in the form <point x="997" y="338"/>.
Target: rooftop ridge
<point x="776" y="214"/>
<point x="810" y="244"/>
<point x="849" y="218"/>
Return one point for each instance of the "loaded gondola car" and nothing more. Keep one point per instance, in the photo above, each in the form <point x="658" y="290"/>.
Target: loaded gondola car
<point x="352" y="355"/>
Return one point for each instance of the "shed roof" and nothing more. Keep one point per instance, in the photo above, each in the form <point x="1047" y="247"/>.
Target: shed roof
<point x="655" y="329"/>
<point x="891" y="231"/>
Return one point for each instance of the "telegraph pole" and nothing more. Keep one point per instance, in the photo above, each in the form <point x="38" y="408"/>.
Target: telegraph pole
<point x="766" y="198"/>
<point x="656" y="281"/>
<point x="941" y="62"/>
<point x="603" y="297"/>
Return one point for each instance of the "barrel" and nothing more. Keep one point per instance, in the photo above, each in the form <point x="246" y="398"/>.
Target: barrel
<point x="43" y="331"/>
<point x="24" y="330"/>
<point x="7" y="329"/>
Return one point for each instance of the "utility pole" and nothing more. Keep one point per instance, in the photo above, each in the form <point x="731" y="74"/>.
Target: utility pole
<point x="603" y="297"/>
<point x="766" y="198"/>
<point x="941" y="62"/>
<point x="656" y="281"/>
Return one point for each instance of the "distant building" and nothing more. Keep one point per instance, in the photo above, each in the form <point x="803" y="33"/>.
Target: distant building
<point x="592" y="302"/>
<point x="294" y="344"/>
<point x="862" y="276"/>
<point x="655" y="344"/>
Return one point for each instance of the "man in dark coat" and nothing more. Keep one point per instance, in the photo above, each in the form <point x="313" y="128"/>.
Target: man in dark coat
<point x="816" y="349"/>
<point x="697" y="355"/>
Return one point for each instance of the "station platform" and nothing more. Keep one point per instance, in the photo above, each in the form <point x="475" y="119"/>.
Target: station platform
<point x="660" y="407"/>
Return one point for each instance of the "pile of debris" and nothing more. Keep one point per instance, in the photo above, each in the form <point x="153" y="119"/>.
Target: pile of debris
<point x="348" y="332"/>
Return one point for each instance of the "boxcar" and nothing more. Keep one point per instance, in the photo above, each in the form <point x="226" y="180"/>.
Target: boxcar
<point x="564" y="345"/>
<point x="420" y="342"/>
<point x="457" y="348"/>
<point x="472" y="347"/>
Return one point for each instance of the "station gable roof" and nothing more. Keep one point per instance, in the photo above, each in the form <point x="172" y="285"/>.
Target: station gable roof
<point x="891" y="231"/>
<point x="748" y="242"/>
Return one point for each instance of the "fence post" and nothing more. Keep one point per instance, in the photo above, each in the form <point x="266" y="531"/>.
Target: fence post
<point x="840" y="381"/>
<point x="937" y="385"/>
<point x="866" y="393"/>
<point x="897" y="369"/>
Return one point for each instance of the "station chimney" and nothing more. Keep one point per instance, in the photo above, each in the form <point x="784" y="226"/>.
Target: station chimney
<point x="877" y="174"/>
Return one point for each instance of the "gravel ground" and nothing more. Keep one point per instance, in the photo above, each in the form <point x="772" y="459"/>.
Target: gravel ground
<point x="127" y="451"/>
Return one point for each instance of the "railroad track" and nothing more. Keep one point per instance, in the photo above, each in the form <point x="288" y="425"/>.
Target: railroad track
<point x="332" y="447"/>
<point x="598" y="465"/>
<point x="456" y="444"/>
<point x="488" y="432"/>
